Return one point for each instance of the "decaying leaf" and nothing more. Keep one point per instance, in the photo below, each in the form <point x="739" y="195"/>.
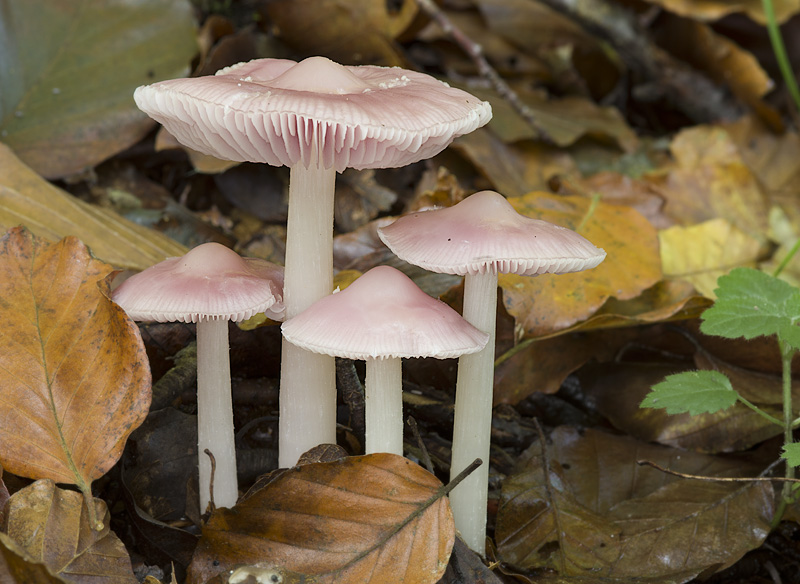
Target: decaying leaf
<point x="360" y="31"/>
<point x="17" y="567"/>
<point x="68" y="70"/>
<point x="368" y="519"/>
<point x="549" y="303"/>
<point x="715" y="9"/>
<point x="75" y="376"/>
<point x="52" y="528"/>
<point x="593" y="511"/>
<point x="710" y="180"/>
<point x="617" y="389"/>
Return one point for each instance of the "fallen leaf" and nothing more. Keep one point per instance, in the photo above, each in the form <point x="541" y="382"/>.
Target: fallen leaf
<point x="597" y="513"/>
<point x="75" y="376"/>
<point x="617" y="389"/>
<point x="701" y="253"/>
<point x="549" y="303"/>
<point x="708" y="10"/>
<point x="27" y="199"/>
<point x="348" y="31"/>
<point x="710" y="180"/>
<point x="16" y="567"/>
<point x="51" y="527"/>
<point x="367" y="519"/>
<point x="68" y="70"/>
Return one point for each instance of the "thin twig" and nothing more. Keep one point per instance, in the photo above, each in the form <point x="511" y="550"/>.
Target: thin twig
<point x="426" y="458"/>
<point x="475" y="52"/>
<point x="211" y="505"/>
<point x="718" y="479"/>
<point x="461" y="476"/>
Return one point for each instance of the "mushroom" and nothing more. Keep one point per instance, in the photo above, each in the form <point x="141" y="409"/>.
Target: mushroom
<point x="382" y="317"/>
<point x="478" y="238"/>
<point x="316" y="117"/>
<point x="210" y="286"/>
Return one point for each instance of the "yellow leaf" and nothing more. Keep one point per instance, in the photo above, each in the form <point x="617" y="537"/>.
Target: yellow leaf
<point x="702" y="253"/>
<point x="546" y="304"/>
<point x="29" y="200"/>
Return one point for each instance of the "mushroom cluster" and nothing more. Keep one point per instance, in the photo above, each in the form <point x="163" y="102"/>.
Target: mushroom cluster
<point x="316" y="117"/>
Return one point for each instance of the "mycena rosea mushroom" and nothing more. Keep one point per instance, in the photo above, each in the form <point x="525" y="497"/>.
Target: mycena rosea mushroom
<point x="383" y="317"/>
<point x="211" y="285"/>
<point x="478" y="238"/>
<point x="316" y="117"/>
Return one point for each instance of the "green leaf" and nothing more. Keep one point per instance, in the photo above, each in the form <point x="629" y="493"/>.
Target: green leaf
<point x="696" y="392"/>
<point x="791" y="453"/>
<point x="750" y="304"/>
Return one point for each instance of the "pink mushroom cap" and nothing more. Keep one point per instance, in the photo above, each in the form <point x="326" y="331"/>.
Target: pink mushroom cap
<point x="484" y="233"/>
<point x="276" y="110"/>
<point x="210" y="282"/>
<point x="383" y="314"/>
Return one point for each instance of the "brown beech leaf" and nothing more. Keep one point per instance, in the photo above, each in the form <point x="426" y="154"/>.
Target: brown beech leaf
<point x="706" y="10"/>
<point x="73" y="369"/>
<point x="16" y="567"/>
<point x="366" y="519"/>
<point x="348" y="31"/>
<point x="549" y="303"/>
<point x="597" y="513"/>
<point x="52" y="527"/>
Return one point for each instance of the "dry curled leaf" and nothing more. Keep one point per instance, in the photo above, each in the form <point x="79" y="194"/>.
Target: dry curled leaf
<point x="75" y="376"/>
<point x="368" y="519"/>
<point x="52" y="528"/>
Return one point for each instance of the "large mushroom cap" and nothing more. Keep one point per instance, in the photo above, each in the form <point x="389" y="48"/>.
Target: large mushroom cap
<point x="484" y="233"/>
<point x="276" y="110"/>
<point x="383" y="314"/>
<point x="210" y="282"/>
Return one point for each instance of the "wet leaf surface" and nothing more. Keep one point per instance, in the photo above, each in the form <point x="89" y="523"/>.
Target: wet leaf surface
<point x="627" y="521"/>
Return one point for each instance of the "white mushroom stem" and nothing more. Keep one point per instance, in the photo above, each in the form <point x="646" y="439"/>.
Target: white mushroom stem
<point x="383" y="388"/>
<point x="473" y="413"/>
<point x="215" y="414"/>
<point x="308" y="380"/>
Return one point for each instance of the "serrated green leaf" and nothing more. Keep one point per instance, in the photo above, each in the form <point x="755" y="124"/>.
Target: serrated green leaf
<point x="791" y="453"/>
<point x="696" y="392"/>
<point x="750" y="304"/>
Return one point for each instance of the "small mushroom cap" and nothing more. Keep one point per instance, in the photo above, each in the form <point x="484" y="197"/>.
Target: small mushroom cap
<point x="276" y="110"/>
<point x="383" y="314"/>
<point x="210" y="282"/>
<point x="484" y="233"/>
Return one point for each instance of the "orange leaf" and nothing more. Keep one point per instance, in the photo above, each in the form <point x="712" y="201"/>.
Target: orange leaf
<point x="367" y="519"/>
<point x="549" y="303"/>
<point x="73" y="368"/>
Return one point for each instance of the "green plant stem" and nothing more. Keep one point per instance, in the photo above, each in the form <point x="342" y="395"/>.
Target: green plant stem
<point x="786" y="259"/>
<point x="787" y="352"/>
<point x="780" y="52"/>
<point x="761" y="412"/>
